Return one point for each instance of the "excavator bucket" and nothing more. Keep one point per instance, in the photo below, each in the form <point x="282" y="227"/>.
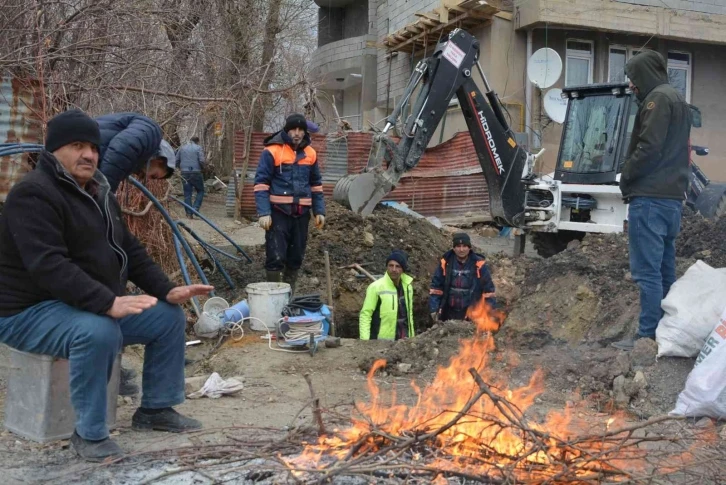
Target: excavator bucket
<point x="362" y="192"/>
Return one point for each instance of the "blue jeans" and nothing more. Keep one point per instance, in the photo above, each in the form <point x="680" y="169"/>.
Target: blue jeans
<point x="653" y="225"/>
<point x="193" y="181"/>
<point x="91" y="342"/>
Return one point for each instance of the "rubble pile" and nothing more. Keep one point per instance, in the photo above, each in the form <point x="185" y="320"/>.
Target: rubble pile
<point x="702" y="239"/>
<point x="350" y="238"/>
<point x="585" y="293"/>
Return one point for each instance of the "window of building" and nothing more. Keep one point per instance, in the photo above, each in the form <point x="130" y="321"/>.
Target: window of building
<point x="616" y="64"/>
<point x="579" y="62"/>
<point x="679" y="72"/>
<point x="679" y="67"/>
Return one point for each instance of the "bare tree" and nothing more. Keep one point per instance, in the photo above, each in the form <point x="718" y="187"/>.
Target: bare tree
<point x="189" y="64"/>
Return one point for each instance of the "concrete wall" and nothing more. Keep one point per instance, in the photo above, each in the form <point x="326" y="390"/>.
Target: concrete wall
<point x="330" y="25"/>
<point x="342" y="54"/>
<point x="352" y="106"/>
<point x="703" y="6"/>
<point x="391" y="16"/>
<point x="355" y="22"/>
<point x="335" y="24"/>
<point x="662" y="20"/>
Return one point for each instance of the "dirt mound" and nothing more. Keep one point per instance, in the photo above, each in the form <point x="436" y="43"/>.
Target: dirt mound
<point x="350" y="238"/>
<point x="584" y="293"/>
<point x="430" y="349"/>
<point x="703" y="239"/>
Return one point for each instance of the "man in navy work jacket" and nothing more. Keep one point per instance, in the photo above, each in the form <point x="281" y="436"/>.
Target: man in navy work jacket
<point x="132" y="144"/>
<point x="460" y="281"/>
<point x="65" y="257"/>
<point x="288" y="185"/>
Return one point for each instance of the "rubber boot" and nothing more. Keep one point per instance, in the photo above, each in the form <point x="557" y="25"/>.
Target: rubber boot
<point x="289" y="276"/>
<point x="274" y="276"/>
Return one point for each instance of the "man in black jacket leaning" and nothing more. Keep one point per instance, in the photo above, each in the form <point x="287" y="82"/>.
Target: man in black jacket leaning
<point x="654" y="181"/>
<point x="65" y="257"/>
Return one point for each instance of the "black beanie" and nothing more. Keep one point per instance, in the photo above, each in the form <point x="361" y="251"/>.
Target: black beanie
<point x="71" y="126"/>
<point x="400" y="257"/>
<point x="296" y="120"/>
<point x="462" y="238"/>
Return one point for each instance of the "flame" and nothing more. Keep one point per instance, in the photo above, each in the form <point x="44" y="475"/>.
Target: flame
<point x="482" y="442"/>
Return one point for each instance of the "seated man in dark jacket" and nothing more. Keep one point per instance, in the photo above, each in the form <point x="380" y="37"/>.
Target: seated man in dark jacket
<point x="132" y="144"/>
<point x="460" y="281"/>
<point x="65" y="257"/>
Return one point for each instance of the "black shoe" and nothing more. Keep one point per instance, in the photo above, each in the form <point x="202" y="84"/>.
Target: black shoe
<point x="628" y="344"/>
<point x="127" y="386"/>
<point x="95" y="451"/>
<point x="166" y="420"/>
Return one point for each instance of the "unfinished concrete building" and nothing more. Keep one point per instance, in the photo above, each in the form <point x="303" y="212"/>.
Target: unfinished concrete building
<point x="367" y="49"/>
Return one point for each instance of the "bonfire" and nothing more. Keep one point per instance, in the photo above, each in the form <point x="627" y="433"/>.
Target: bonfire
<point x="469" y="424"/>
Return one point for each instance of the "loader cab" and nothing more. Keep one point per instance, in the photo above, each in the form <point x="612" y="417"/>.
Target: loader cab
<point x="596" y="133"/>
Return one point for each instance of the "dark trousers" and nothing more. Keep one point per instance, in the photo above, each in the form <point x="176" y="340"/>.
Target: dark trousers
<point x="90" y="342"/>
<point x="285" y="242"/>
<point x="193" y="181"/>
<point x="453" y="314"/>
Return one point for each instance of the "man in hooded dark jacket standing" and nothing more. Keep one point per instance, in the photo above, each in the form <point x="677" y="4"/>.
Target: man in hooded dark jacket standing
<point x="288" y="185"/>
<point x="654" y="181"/>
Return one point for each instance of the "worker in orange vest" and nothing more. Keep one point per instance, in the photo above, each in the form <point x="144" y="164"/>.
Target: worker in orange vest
<point x="288" y="185"/>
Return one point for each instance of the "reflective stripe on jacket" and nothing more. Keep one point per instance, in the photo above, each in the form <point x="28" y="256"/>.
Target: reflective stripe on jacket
<point x="287" y="177"/>
<point x="482" y="285"/>
<point x="379" y="314"/>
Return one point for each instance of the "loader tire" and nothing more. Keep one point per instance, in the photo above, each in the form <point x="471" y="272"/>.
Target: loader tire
<point x="547" y="244"/>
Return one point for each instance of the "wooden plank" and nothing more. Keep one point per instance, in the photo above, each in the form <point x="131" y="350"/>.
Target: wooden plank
<point x="429" y="23"/>
<point x="504" y="15"/>
<point x="434" y="30"/>
<point x="443" y="14"/>
<point x="433" y="16"/>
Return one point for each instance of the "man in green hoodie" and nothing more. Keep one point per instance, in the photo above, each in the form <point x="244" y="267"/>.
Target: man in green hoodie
<point x="654" y="181"/>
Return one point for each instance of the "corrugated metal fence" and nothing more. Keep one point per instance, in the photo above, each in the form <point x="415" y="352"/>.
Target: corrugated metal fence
<point x="19" y="123"/>
<point x="446" y="183"/>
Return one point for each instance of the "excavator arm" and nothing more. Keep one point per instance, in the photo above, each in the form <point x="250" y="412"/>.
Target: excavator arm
<point x="447" y="73"/>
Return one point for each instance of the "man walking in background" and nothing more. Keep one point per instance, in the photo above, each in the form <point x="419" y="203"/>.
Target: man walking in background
<point x="190" y="160"/>
<point x="654" y="181"/>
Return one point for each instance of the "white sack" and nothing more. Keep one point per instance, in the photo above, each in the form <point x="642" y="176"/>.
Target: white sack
<point x="692" y="309"/>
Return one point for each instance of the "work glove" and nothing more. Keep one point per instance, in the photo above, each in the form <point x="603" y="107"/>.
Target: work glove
<point x="435" y="317"/>
<point x="265" y="222"/>
<point x="319" y="221"/>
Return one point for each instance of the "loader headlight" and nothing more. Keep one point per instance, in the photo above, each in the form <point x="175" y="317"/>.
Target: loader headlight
<point x="617" y="91"/>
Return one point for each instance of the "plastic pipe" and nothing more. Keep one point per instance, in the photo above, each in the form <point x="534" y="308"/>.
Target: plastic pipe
<point x="213" y="226"/>
<point x="174" y="229"/>
<point x="185" y="274"/>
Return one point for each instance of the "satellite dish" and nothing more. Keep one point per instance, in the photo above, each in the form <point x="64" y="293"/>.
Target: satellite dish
<point x="555" y="106"/>
<point x="544" y="68"/>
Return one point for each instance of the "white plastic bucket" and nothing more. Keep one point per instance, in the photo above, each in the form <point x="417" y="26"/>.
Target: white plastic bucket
<point x="266" y="301"/>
